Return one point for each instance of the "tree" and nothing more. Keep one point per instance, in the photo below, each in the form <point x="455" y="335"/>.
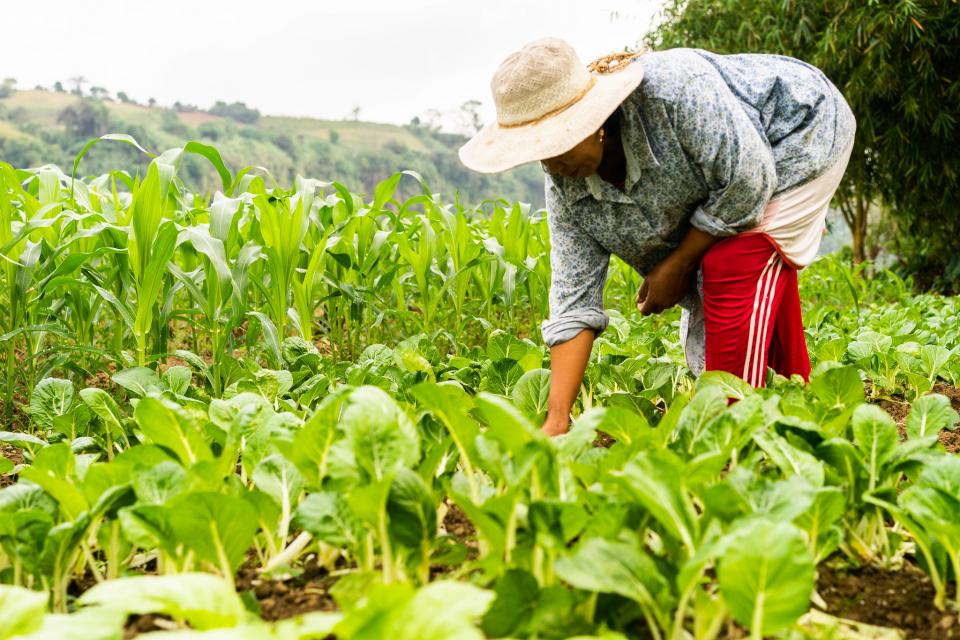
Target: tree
<point x="85" y="119"/>
<point x="285" y="143"/>
<point x="235" y="111"/>
<point x="151" y="102"/>
<point x="98" y="93"/>
<point x="355" y="112"/>
<point x="19" y="115"/>
<point x="78" y="82"/>
<point x="24" y="151"/>
<point x="432" y="119"/>
<point x="124" y="98"/>
<point x="7" y="87"/>
<point x="171" y="123"/>
<point x="897" y="64"/>
<point x="469" y="117"/>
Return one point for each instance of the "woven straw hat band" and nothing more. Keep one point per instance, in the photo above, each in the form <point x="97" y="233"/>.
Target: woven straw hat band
<point x="541" y="80"/>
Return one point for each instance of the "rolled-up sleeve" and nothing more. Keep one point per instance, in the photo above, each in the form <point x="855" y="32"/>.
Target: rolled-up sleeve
<point x="736" y="161"/>
<point x="579" y="272"/>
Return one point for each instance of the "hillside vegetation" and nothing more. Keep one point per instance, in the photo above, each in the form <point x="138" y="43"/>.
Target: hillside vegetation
<point x="41" y="127"/>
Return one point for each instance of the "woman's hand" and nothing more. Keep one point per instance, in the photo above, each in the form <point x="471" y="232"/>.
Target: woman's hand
<point x="665" y="285"/>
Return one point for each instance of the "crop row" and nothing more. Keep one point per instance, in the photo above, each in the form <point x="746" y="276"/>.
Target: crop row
<point x="267" y="380"/>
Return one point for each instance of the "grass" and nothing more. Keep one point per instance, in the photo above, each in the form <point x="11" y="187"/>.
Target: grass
<point x="43" y="107"/>
<point x="354" y="134"/>
<point x="9" y="131"/>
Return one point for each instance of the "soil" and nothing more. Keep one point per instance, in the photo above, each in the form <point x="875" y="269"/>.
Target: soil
<point x="324" y="346"/>
<point x="458" y="525"/>
<point x="279" y="599"/>
<point x="951" y="392"/>
<point x="13" y="455"/>
<point x="898" y="599"/>
<point x="81" y="584"/>
<point x="144" y="624"/>
<point x="101" y="378"/>
<point x="604" y="440"/>
<point x="950" y="440"/>
<point x="899" y="410"/>
<point x="310" y="591"/>
<point x="19" y="419"/>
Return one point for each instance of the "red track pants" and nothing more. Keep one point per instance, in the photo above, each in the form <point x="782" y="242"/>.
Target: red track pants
<point x="751" y="310"/>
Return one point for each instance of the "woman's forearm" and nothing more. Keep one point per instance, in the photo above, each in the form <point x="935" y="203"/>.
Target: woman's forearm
<point x="693" y="247"/>
<point x="568" y="361"/>
<point x="669" y="280"/>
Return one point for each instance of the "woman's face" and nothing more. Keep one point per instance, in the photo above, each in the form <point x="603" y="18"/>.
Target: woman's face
<point x="579" y="162"/>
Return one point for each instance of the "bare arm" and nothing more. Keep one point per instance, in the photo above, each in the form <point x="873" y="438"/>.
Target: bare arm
<point x="578" y="264"/>
<point x="693" y="247"/>
<point x="568" y="361"/>
<point x="664" y="286"/>
<point x="669" y="281"/>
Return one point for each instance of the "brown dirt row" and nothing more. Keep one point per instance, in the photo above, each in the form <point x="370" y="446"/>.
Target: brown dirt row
<point x="604" y="440"/>
<point x="899" y="599"/>
<point x="280" y="599"/>
<point x="899" y="410"/>
<point x="895" y="599"/>
<point x="15" y="456"/>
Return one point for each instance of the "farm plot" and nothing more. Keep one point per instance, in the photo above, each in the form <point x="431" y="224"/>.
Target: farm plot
<point x="306" y="413"/>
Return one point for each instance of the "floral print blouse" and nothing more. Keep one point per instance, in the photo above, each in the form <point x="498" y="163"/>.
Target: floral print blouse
<point x="708" y="140"/>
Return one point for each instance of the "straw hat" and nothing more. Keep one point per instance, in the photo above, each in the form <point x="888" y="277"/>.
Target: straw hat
<point x="547" y="103"/>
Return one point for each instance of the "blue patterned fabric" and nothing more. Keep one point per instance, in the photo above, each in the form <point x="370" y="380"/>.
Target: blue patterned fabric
<point x="708" y="139"/>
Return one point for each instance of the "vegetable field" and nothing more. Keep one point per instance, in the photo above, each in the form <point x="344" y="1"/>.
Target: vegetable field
<point x="294" y="411"/>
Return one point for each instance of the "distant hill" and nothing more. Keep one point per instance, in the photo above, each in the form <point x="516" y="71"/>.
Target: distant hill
<point x="41" y="127"/>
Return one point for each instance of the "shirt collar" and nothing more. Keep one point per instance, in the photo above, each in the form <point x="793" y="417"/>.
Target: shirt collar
<point x="639" y="154"/>
<point x="639" y="157"/>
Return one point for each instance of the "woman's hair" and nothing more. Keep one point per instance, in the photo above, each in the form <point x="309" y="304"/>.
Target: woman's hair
<point x="612" y="123"/>
<point x="613" y="62"/>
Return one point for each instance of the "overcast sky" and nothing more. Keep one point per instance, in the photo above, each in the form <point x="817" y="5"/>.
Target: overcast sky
<point x="391" y="58"/>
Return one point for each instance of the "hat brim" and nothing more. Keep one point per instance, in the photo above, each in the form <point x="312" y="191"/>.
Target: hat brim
<point x="495" y="148"/>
